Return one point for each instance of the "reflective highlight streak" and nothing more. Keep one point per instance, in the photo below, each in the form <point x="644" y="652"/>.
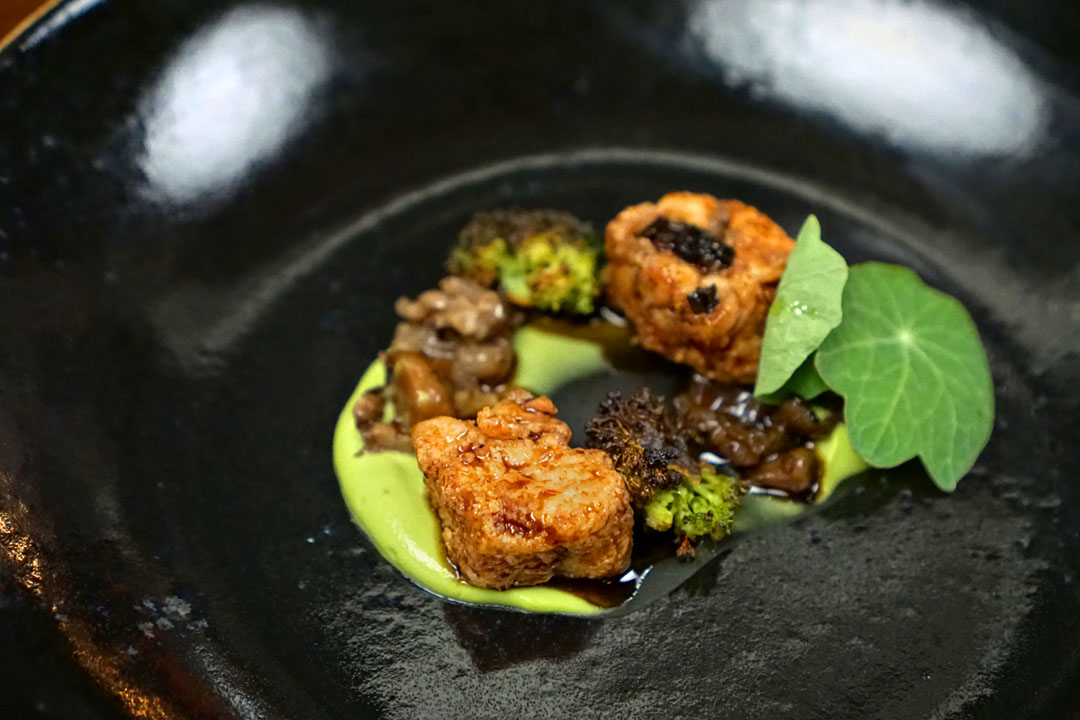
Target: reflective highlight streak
<point x="234" y="94"/>
<point x="917" y="73"/>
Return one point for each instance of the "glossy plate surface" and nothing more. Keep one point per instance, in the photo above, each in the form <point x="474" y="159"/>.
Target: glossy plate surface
<point x="207" y="210"/>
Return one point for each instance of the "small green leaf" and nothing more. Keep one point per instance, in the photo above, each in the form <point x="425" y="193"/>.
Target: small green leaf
<point x="806" y="308"/>
<point x="805" y="382"/>
<point x="913" y="373"/>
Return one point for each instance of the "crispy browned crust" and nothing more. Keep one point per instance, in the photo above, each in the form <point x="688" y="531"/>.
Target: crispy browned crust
<point x="651" y="286"/>
<point x="516" y="504"/>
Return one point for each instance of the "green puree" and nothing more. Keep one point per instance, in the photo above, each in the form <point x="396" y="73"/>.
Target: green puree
<point x="385" y="491"/>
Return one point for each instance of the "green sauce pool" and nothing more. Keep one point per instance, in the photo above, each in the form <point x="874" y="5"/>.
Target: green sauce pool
<point x="386" y="496"/>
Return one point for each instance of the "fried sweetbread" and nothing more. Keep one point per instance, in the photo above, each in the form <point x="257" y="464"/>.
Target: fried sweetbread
<point x="517" y="505"/>
<point x="695" y="276"/>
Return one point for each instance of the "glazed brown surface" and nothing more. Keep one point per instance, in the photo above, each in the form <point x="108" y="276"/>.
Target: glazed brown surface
<point x="516" y="504"/>
<point x="771" y="446"/>
<point x="668" y="299"/>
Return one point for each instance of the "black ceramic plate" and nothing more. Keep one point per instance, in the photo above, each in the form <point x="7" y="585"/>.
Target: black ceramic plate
<point x="207" y="209"/>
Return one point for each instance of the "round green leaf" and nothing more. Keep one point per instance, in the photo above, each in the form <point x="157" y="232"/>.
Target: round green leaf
<point x="913" y="373"/>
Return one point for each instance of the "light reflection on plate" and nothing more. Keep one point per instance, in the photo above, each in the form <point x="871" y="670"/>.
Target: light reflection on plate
<point x="918" y="73"/>
<point x="234" y="93"/>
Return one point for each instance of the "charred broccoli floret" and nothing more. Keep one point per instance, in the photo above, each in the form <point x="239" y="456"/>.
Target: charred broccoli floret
<point x="639" y="434"/>
<point x="667" y="484"/>
<point x="702" y="506"/>
<point x="543" y="259"/>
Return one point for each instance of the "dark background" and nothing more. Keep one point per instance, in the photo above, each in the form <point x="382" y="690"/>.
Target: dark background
<point x="172" y="355"/>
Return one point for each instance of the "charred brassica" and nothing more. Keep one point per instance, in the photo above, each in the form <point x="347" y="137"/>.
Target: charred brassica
<point x="667" y="484"/>
<point x="639" y="434"/>
<point x="701" y="506"/>
<point x="543" y="259"/>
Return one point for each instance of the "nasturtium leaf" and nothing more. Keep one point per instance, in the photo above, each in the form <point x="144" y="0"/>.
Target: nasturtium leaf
<point x="913" y="373"/>
<point x="806" y="308"/>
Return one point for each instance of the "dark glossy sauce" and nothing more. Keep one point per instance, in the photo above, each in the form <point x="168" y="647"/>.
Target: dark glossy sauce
<point x="602" y="593"/>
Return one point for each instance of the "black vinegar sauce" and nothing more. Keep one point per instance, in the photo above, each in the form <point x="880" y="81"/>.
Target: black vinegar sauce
<point x="629" y="367"/>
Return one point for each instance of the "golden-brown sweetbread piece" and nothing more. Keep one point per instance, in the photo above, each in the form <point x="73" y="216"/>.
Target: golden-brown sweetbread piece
<point x="517" y="504"/>
<point x="697" y="311"/>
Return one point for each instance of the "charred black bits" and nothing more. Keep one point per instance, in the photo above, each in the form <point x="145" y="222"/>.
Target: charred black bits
<point x="641" y="436"/>
<point x="703" y="300"/>
<point x="690" y="243"/>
